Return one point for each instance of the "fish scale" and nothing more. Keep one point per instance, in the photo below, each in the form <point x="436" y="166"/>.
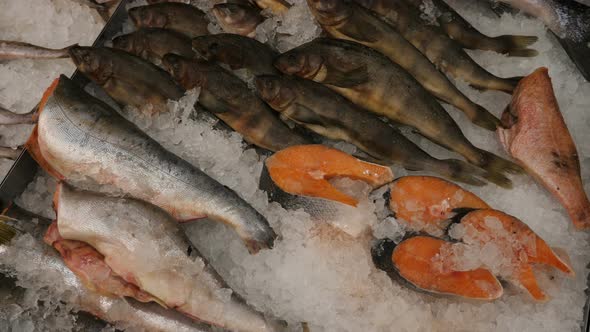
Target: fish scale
<point x="80" y="138"/>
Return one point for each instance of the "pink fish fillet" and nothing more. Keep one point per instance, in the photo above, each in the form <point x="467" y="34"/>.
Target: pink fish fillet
<point x="536" y="136"/>
<point x="90" y="267"/>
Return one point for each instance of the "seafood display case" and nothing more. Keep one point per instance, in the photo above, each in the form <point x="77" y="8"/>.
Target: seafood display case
<point x="25" y="168"/>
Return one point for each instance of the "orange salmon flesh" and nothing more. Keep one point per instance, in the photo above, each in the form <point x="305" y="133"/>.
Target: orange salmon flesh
<point x="414" y="261"/>
<point x="429" y="200"/>
<point x="306" y="169"/>
<point x="527" y="247"/>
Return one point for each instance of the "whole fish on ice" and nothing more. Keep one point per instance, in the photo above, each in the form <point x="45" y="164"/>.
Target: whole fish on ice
<point x="461" y="31"/>
<point x="348" y="20"/>
<point x="78" y="137"/>
<point x="126" y="313"/>
<point x="536" y="135"/>
<point x="372" y="81"/>
<point x="120" y="228"/>
<point x="325" y="112"/>
<point x="448" y="56"/>
<point x="128" y="79"/>
<point x="180" y="17"/>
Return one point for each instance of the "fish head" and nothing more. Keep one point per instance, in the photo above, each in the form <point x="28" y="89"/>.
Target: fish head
<point x="92" y="62"/>
<point x="276" y="91"/>
<point x="300" y="63"/>
<point x="125" y="43"/>
<point x="329" y="12"/>
<point x="185" y="71"/>
<point x="236" y="17"/>
<point x="144" y="16"/>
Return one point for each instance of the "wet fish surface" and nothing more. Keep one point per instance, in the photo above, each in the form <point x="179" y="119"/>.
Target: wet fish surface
<point x="11" y="50"/>
<point x="237" y="18"/>
<point x="180" y="17"/>
<point x="365" y="77"/>
<point x="128" y="79"/>
<point x="353" y="22"/>
<point x="153" y="43"/>
<point x="458" y="29"/>
<point x="237" y="52"/>
<point x="123" y="312"/>
<point x="569" y="21"/>
<point x="517" y="242"/>
<point x="119" y="228"/>
<point x="80" y="139"/>
<point x="299" y="178"/>
<point x="230" y="99"/>
<point x="537" y="137"/>
<point x="327" y="113"/>
<point x="448" y="56"/>
<point x="412" y="263"/>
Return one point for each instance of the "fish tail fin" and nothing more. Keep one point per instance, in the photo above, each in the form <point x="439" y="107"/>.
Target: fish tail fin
<point x="456" y="170"/>
<point x="523" y="53"/>
<point x="495" y="164"/>
<point x="483" y="118"/>
<point x="501" y="84"/>
<point x="518" y="45"/>
<point x="7" y="232"/>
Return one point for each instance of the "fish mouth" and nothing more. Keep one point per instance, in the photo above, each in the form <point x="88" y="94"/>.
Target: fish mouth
<point x="265" y="87"/>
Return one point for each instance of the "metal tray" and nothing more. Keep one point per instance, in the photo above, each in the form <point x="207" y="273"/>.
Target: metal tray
<point x="24" y="168"/>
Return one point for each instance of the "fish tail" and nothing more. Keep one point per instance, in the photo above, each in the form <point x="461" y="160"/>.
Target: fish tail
<point x="517" y="45"/>
<point x="496" y="83"/>
<point x="494" y="164"/>
<point x="483" y="118"/>
<point x="456" y="170"/>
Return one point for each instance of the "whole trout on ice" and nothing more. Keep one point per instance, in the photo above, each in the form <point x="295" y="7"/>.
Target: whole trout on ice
<point x="120" y="228"/>
<point x="78" y="137"/>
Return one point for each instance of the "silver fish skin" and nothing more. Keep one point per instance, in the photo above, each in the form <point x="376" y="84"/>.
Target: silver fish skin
<point x="10" y="50"/>
<point x="127" y="313"/>
<point x="9" y="118"/>
<point x="78" y="137"/>
<point x="120" y="228"/>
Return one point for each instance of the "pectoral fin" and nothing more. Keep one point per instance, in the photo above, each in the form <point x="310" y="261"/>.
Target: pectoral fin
<point x="346" y="79"/>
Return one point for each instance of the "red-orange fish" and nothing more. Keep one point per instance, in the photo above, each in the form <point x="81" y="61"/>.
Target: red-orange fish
<point x="537" y="137"/>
